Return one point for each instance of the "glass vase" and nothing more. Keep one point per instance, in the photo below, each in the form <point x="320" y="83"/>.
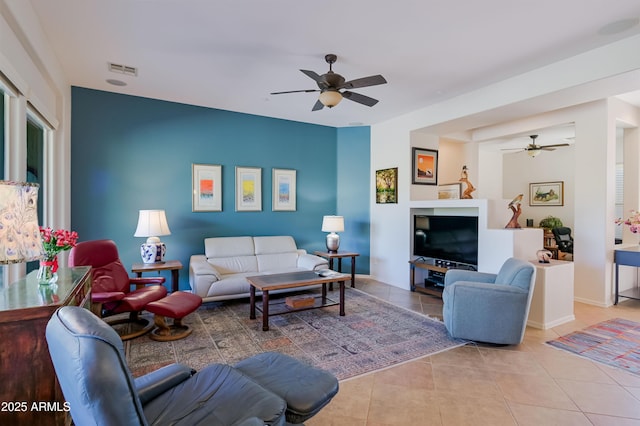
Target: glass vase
<point x="47" y="273"/>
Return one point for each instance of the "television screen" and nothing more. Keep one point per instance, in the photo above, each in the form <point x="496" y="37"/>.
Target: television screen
<point x="450" y="238"/>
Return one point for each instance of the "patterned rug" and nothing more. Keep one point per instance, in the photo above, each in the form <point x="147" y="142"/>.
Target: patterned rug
<point x="373" y="335"/>
<point x="615" y="342"/>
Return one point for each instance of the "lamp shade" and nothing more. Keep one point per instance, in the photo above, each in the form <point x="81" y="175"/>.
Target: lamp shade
<point x="20" y="239"/>
<point x="333" y="224"/>
<point x="533" y="152"/>
<point x="330" y="98"/>
<point x="152" y="223"/>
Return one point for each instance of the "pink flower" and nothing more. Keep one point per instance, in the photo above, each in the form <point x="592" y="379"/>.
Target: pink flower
<point x="633" y="221"/>
<point x="55" y="241"/>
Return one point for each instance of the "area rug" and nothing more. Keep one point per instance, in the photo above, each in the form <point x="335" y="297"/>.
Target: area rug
<point x="615" y="342"/>
<point x="373" y="335"/>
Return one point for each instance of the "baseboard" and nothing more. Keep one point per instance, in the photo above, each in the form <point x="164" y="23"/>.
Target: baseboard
<point x="551" y="324"/>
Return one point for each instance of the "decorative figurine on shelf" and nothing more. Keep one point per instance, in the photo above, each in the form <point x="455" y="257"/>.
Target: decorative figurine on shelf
<point x="544" y="256"/>
<point x="514" y="205"/>
<point x="464" y="177"/>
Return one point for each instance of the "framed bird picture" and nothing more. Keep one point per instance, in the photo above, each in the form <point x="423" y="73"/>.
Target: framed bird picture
<point x="546" y="194"/>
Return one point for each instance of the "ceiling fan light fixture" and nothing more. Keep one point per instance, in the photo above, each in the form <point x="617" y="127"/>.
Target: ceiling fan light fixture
<point x="533" y="152"/>
<point x="330" y="98"/>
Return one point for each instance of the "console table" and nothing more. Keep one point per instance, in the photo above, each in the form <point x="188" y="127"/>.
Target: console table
<point x="26" y="371"/>
<point x="629" y="256"/>
<point x="432" y="290"/>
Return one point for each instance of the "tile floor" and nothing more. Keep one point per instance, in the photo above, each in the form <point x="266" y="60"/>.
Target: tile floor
<point x="529" y="384"/>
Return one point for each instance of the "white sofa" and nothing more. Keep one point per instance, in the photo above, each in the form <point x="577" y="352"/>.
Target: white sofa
<point x="219" y="273"/>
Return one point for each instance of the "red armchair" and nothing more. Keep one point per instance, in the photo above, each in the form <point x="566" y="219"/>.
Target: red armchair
<point x="113" y="291"/>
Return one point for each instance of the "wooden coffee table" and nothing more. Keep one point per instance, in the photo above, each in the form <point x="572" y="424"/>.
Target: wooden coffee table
<point x="267" y="283"/>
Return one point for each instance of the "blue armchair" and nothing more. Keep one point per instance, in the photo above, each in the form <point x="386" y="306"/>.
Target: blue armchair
<point x="486" y="307"/>
<point x="89" y="361"/>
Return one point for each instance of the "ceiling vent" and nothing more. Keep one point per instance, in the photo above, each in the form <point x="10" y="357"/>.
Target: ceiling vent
<point x="123" y="69"/>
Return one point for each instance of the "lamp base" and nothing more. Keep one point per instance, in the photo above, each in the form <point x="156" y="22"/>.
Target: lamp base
<point x="333" y="242"/>
<point x="153" y="252"/>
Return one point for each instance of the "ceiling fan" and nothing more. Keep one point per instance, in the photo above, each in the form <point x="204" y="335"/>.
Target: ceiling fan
<point x="533" y="150"/>
<point x="330" y="84"/>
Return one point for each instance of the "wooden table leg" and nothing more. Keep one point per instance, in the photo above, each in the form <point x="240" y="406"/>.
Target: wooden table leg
<point x="341" y="298"/>
<point x="252" y="303"/>
<point x="324" y="293"/>
<point x="174" y="280"/>
<point x="412" y="283"/>
<point x="265" y="310"/>
<point x="353" y="271"/>
<point x="331" y="267"/>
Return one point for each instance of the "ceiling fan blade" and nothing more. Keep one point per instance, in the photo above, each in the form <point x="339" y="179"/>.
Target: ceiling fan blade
<point x="554" y="146"/>
<point x="513" y="149"/>
<point x="296" y="91"/>
<point x="313" y="75"/>
<point x="361" y="99"/>
<point x="317" y="106"/>
<point x="372" y="80"/>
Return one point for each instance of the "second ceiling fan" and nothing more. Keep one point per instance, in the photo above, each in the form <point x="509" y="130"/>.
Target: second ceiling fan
<point x="330" y="85"/>
<point x="533" y="150"/>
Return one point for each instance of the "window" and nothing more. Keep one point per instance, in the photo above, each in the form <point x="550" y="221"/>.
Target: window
<point x="35" y="166"/>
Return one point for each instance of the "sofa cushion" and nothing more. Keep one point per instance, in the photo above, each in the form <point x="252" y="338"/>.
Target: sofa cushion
<point x="271" y="245"/>
<point x="235" y="264"/>
<point x="228" y="246"/>
<point x="277" y="262"/>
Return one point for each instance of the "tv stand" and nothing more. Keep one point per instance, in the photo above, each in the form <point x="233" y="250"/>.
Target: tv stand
<point x="436" y="269"/>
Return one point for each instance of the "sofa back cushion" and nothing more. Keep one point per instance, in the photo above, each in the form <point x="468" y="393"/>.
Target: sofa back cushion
<point x="277" y="253"/>
<point x="228" y="247"/>
<point x="273" y="245"/>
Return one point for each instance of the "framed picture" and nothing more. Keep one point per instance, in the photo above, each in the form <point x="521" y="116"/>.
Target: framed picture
<point x="546" y="194"/>
<point x="248" y="189"/>
<point x="425" y="166"/>
<point x="450" y="191"/>
<point x="206" y="183"/>
<point x="387" y="186"/>
<point x="284" y="190"/>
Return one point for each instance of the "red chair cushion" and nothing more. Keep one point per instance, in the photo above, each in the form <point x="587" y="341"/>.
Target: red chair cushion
<point x="176" y="305"/>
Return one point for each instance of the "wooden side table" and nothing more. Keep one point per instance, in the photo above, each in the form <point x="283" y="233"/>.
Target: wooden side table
<point x="340" y="255"/>
<point x="170" y="265"/>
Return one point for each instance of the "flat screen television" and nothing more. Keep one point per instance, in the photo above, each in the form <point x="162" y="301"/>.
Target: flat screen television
<point x="448" y="238"/>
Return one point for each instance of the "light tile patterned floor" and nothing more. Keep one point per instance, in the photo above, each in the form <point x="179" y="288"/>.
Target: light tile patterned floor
<point x="529" y="384"/>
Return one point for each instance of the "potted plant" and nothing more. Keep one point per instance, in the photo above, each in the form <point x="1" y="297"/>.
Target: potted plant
<point x="550" y="222"/>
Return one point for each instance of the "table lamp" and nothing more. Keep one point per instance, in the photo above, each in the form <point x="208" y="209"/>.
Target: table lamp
<point x="333" y="224"/>
<point x="152" y="224"/>
<point x="20" y="239"/>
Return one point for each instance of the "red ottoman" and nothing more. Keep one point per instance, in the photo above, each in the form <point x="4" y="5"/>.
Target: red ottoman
<point x="176" y="305"/>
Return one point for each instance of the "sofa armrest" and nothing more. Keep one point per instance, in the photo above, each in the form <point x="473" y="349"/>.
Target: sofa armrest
<point x="198" y="265"/>
<point x="312" y="262"/>
<point x="455" y="275"/>
<point x="159" y="381"/>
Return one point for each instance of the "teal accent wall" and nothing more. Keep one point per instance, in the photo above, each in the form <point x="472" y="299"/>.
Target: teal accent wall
<point x="131" y="153"/>
<point x="354" y="189"/>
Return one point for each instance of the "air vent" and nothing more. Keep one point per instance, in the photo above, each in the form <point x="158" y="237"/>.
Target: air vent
<point x="123" y="69"/>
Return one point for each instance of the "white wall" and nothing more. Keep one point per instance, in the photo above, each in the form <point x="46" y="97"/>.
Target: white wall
<point x="520" y="170"/>
<point x="594" y="75"/>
